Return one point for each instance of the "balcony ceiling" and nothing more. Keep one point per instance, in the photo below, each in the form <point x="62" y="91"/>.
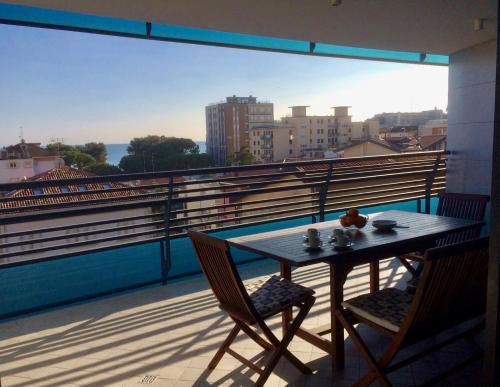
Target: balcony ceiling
<point x="433" y="26"/>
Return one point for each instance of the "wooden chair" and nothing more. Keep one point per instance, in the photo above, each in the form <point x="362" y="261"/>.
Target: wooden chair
<point x="451" y="291"/>
<point x="455" y="205"/>
<point x="251" y="305"/>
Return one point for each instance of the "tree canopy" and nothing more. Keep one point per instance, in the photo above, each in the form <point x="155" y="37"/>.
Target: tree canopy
<point x="96" y="149"/>
<point x="160" y="153"/>
<point x="243" y="157"/>
<point x="80" y="156"/>
<point x="102" y="169"/>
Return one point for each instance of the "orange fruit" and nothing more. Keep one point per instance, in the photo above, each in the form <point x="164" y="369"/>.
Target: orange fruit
<point x="353" y="212"/>
<point x="346" y="221"/>
<point x="360" y="221"/>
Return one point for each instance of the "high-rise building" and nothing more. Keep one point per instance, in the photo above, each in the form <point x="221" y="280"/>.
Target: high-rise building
<point x="303" y="136"/>
<point x="228" y="125"/>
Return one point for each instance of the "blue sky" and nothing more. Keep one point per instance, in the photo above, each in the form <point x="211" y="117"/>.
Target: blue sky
<point x="84" y="87"/>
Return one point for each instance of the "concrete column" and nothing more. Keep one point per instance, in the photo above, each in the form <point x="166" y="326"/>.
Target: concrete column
<point x="474" y="166"/>
<point x="492" y="346"/>
<point x="471" y="115"/>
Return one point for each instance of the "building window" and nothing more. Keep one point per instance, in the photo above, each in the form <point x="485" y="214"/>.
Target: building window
<point x="290" y="152"/>
<point x="290" y="142"/>
<point x="12" y="164"/>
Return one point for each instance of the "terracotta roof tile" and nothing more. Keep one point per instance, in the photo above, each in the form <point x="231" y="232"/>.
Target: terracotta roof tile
<point x="427" y="141"/>
<point x="340" y="163"/>
<point x="71" y="200"/>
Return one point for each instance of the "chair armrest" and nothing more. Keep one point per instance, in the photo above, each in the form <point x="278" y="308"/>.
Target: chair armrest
<point x="415" y="256"/>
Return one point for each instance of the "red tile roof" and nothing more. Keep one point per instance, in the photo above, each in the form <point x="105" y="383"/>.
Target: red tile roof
<point x="376" y="141"/>
<point x="71" y="200"/>
<point x="427" y="141"/>
<point x="340" y="163"/>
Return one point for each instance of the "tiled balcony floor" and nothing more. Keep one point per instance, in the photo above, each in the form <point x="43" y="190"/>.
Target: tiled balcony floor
<point x="165" y="336"/>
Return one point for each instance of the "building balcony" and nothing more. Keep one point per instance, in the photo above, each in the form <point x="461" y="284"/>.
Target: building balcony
<point x="266" y="137"/>
<point x="268" y="146"/>
<point x="167" y="325"/>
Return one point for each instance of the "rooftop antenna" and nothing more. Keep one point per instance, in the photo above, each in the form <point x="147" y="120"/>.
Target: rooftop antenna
<point x="21" y="135"/>
<point x="57" y="141"/>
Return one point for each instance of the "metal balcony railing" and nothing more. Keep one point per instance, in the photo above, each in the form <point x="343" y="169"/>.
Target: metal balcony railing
<point x="40" y="221"/>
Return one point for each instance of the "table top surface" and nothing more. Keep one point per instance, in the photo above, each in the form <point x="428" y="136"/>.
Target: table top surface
<point x="369" y="244"/>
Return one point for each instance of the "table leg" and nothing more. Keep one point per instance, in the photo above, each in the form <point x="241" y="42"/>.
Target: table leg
<point x="374" y="276"/>
<point x="286" y="316"/>
<point x="338" y="274"/>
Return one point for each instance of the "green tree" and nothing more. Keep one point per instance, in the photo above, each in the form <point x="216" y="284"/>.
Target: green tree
<point x="243" y="157"/>
<point x="78" y="156"/>
<point x="96" y="149"/>
<point x="102" y="169"/>
<point x="58" y="148"/>
<point x="133" y="164"/>
<point x="77" y="159"/>
<point x="160" y="153"/>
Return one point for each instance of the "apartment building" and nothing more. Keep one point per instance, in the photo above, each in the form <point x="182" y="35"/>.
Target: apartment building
<point x="303" y="136"/>
<point x="434" y="128"/>
<point x="25" y="160"/>
<point x="228" y="124"/>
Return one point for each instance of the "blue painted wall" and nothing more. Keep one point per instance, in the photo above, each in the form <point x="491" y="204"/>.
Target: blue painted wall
<point x="55" y="282"/>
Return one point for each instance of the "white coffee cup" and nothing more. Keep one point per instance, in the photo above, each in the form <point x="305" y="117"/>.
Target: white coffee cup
<point x="337" y="232"/>
<point x="313" y="233"/>
<point x="314" y="242"/>
<point x="342" y="241"/>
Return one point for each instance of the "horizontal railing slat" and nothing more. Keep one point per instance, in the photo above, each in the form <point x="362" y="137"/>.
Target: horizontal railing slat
<point x="209" y="199"/>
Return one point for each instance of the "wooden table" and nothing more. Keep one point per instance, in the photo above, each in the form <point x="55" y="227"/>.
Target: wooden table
<point x="370" y="246"/>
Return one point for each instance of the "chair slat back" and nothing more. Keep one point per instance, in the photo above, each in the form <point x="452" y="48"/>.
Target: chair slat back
<point x="452" y="288"/>
<point x="220" y="271"/>
<point x="464" y="206"/>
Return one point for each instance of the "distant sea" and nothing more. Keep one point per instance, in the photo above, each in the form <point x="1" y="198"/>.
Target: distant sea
<point x="117" y="151"/>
